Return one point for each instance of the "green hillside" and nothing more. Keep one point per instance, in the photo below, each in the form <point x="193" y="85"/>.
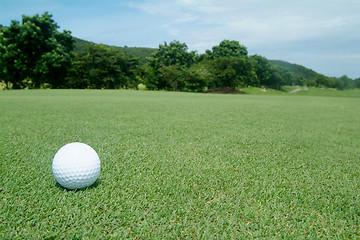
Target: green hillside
<point x="297" y="73"/>
<point x="140" y="52"/>
<point x="295" y="69"/>
<point x="80" y="44"/>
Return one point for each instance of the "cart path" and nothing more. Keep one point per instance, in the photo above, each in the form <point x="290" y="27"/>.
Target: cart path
<point x="296" y="90"/>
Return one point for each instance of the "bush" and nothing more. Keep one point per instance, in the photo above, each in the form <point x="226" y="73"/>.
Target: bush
<point x="141" y="87"/>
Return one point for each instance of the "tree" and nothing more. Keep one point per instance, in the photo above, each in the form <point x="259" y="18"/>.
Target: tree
<point x="228" y="48"/>
<point x="197" y="78"/>
<point x="151" y="78"/>
<point x="357" y="83"/>
<point x="174" y="53"/>
<point x="233" y="72"/>
<point x="321" y="81"/>
<point x="100" y="66"/>
<point x="337" y="83"/>
<point x="173" y="76"/>
<point x="263" y="70"/>
<point x="281" y="77"/>
<point x="229" y="65"/>
<point x="167" y="67"/>
<point x="348" y="83"/>
<point x="35" y="52"/>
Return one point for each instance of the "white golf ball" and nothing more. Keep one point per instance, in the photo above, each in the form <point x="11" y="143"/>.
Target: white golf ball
<point x="76" y="165"/>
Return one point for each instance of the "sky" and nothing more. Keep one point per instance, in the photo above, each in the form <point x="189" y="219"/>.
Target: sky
<point x="323" y="35"/>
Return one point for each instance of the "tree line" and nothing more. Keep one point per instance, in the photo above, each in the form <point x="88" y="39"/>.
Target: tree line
<point x="35" y="54"/>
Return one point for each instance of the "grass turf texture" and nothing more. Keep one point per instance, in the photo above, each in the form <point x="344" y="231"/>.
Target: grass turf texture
<point x="304" y="91"/>
<point x="182" y="165"/>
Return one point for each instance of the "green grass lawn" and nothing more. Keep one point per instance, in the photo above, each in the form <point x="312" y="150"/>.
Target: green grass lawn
<point x="305" y="91"/>
<point x="182" y="165"/>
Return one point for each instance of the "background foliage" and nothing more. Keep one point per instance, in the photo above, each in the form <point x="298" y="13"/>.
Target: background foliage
<point x="34" y="54"/>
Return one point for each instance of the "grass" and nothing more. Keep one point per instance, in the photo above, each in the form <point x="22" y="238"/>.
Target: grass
<point x="182" y="165"/>
<point x="323" y="92"/>
<point x="305" y="91"/>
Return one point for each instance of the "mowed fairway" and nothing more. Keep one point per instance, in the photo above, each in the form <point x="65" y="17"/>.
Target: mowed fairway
<point x="182" y="165"/>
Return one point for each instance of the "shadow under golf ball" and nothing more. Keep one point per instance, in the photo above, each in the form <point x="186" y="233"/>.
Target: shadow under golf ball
<point x="94" y="185"/>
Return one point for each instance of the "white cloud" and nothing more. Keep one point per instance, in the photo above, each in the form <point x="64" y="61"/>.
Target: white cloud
<point x="256" y="20"/>
<point x="275" y="20"/>
<point x="203" y="6"/>
<point x="293" y="30"/>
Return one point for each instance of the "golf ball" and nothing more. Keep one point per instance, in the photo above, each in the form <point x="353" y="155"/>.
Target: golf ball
<point x="76" y="165"/>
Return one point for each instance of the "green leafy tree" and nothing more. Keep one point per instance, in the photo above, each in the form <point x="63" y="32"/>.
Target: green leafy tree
<point x="269" y="75"/>
<point x="173" y="75"/>
<point x="321" y="81"/>
<point x="197" y="78"/>
<point x="263" y="70"/>
<point x="233" y="72"/>
<point x="229" y="65"/>
<point x="357" y="83"/>
<point x="99" y="66"/>
<point x="348" y="83"/>
<point x="150" y="77"/>
<point x="281" y="77"/>
<point x="228" y="48"/>
<point x="175" y="53"/>
<point x="167" y="67"/>
<point x="34" y="52"/>
<point x="336" y="83"/>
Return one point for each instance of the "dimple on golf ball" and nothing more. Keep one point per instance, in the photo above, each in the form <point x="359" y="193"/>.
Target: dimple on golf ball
<point x="76" y="165"/>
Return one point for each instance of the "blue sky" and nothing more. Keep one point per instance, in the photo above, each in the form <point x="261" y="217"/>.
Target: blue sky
<point x="323" y="35"/>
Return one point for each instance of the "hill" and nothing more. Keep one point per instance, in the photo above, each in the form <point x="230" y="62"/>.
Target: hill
<point x="297" y="74"/>
<point x="80" y="44"/>
<point x="295" y="69"/>
<point x="140" y="52"/>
